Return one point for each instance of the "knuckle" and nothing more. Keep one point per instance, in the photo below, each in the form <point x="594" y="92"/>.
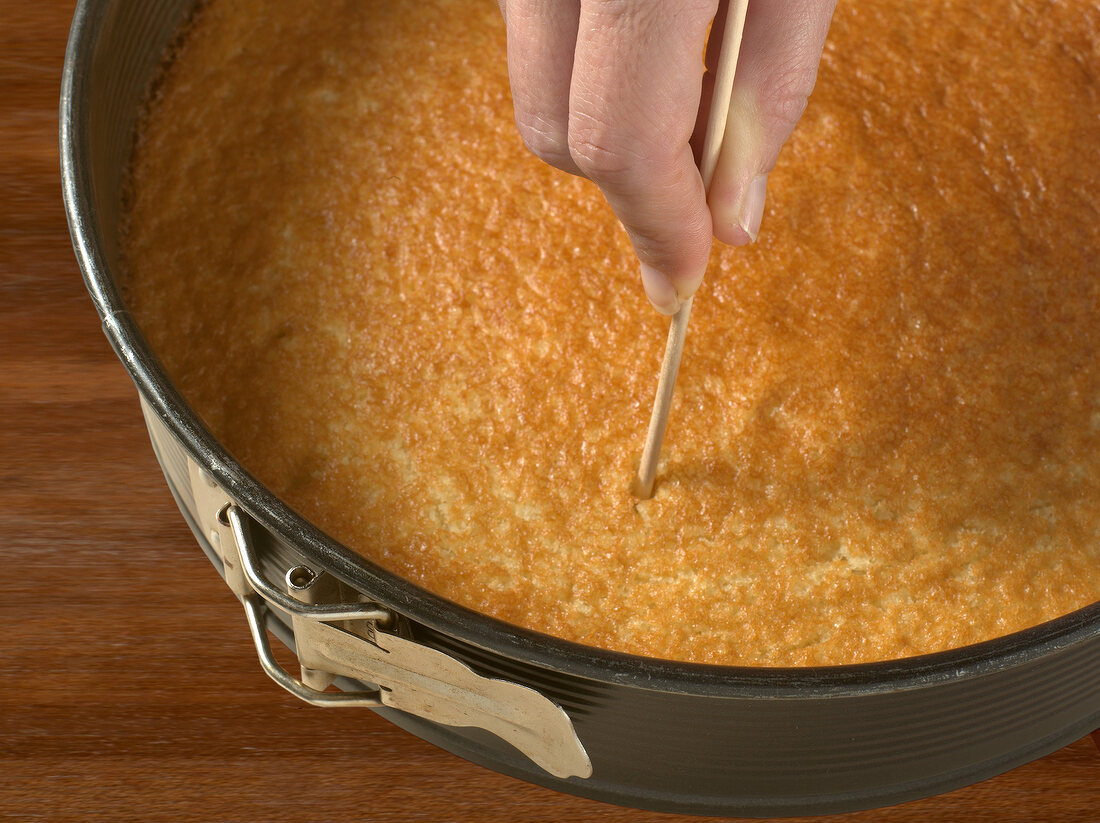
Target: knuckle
<point x="544" y="141"/>
<point x="597" y="155"/>
<point x="787" y="92"/>
<point x="608" y="155"/>
<point x="598" y="162"/>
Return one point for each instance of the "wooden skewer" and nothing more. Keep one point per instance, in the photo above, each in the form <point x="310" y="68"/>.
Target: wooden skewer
<point x="712" y="147"/>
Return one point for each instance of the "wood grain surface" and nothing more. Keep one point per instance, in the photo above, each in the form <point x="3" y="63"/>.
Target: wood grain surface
<point x="130" y="689"/>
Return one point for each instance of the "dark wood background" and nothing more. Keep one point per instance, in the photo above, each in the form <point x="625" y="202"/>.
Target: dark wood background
<point x="130" y="690"/>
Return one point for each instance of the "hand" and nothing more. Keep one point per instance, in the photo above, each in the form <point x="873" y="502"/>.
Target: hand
<point x="611" y="90"/>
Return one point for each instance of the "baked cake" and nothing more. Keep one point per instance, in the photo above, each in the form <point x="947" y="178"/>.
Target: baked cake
<point x="885" y="439"/>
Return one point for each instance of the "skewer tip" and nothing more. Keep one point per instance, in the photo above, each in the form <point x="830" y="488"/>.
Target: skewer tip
<point x="640" y="488"/>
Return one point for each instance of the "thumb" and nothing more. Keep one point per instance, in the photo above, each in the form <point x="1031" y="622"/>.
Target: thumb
<point x="776" y="71"/>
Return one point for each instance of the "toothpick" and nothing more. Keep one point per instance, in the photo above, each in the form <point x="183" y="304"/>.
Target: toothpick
<point x="674" y="347"/>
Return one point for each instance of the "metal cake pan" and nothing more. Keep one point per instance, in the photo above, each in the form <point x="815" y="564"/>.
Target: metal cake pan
<point x="625" y="729"/>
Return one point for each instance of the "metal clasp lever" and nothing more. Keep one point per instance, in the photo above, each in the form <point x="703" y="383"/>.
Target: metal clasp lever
<point x="346" y="639"/>
<point x="412" y="677"/>
<point x="255" y="609"/>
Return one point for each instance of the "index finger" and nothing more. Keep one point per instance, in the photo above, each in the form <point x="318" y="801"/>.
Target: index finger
<point x="637" y="75"/>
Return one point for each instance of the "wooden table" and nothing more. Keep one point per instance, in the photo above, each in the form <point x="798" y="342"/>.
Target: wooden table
<point x="131" y="690"/>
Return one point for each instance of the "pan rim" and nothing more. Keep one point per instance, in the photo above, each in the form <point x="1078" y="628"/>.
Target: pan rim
<point x="420" y="605"/>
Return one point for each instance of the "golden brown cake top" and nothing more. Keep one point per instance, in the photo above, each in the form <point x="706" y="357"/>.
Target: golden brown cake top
<point x="886" y="430"/>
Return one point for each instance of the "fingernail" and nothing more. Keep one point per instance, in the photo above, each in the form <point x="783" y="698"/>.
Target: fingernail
<point x="661" y="293"/>
<point x="752" y="206"/>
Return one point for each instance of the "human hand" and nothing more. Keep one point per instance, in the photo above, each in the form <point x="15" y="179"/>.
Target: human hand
<point x="611" y="90"/>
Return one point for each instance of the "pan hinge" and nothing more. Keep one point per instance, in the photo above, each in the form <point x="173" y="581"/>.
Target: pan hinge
<point x="337" y="634"/>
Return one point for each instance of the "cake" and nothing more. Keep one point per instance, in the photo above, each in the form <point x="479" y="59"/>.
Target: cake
<point x="885" y="439"/>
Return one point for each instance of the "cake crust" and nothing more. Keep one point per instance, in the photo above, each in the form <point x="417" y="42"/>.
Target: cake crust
<point x="886" y="434"/>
